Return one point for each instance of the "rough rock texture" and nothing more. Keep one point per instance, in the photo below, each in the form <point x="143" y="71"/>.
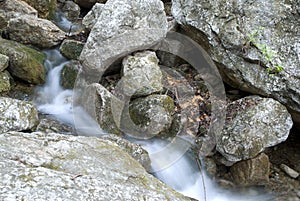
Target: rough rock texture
<point x="71" y="48"/>
<point x="251" y="172"/>
<point x="61" y="167"/>
<point x="135" y="150"/>
<point x="53" y="126"/>
<point x="154" y="112"/>
<point x="122" y="27"/>
<point x="46" y="8"/>
<point x="91" y="18"/>
<point x="35" y="31"/>
<point x="14" y="8"/>
<point x="71" y="10"/>
<point x="68" y="74"/>
<point x="16" y="115"/>
<point x="3" y="62"/>
<point x="253" y="123"/>
<point x="24" y="62"/>
<point x="97" y="101"/>
<point x="88" y="3"/>
<point x="4" y="82"/>
<point x="144" y="70"/>
<point x="244" y="38"/>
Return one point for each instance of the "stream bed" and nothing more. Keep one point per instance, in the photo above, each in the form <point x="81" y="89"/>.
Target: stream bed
<point x="183" y="175"/>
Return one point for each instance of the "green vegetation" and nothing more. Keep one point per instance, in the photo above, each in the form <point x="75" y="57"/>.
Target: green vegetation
<point x="265" y="51"/>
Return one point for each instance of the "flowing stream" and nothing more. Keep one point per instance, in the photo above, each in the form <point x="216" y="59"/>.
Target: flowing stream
<point x="183" y="175"/>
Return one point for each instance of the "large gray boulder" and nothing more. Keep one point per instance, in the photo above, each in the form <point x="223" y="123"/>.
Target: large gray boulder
<point x="252" y="124"/>
<point x="249" y="41"/>
<point x="16" y="115"/>
<point x="39" y="32"/>
<point x="61" y="167"/>
<point x="24" y="62"/>
<point x="123" y="26"/>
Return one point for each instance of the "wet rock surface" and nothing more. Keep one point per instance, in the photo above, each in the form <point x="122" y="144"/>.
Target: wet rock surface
<point x="16" y="115"/>
<point x="58" y="166"/>
<point x="253" y="123"/>
<point x="71" y="48"/>
<point x="69" y="73"/>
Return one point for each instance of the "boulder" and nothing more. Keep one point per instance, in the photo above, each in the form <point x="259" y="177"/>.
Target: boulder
<point x="144" y="70"/>
<point x="252" y="124"/>
<point x="91" y="17"/>
<point x="153" y="113"/>
<point x="68" y="74"/>
<point x="99" y="103"/>
<point x="252" y="52"/>
<point x="3" y="62"/>
<point x="35" y="31"/>
<point x="88" y="3"/>
<point x="71" y="48"/>
<point x="14" y="8"/>
<point x="71" y="10"/>
<point x="54" y="166"/>
<point x="4" y="82"/>
<point x="251" y="172"/>
<point x="24" y="62"/>
<point x="123" y="26"/>
<point x="45" y="8"/>
<point x="16" y="115"/>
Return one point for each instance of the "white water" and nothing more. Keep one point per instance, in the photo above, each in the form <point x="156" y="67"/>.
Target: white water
<point x="183" y="175"/>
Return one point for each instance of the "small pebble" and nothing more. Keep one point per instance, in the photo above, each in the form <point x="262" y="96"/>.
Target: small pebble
<point x="289" y="171"/>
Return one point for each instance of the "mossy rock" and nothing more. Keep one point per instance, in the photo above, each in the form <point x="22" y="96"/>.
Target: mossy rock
<point x="25" y="63"/>
<point x="45" y="8"/>
<point x="71" y="48"/>
<point x="68" y="74"/>
<point x="3" y="61"/>
<point x="4" y="82"/>
<point x="154" y="112"/>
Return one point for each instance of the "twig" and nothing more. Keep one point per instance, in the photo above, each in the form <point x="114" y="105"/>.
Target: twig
<point x="202" y="175"/>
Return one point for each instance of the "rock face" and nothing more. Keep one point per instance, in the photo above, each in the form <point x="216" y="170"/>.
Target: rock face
<point x="16" y="115"/>
<point x="246" y="46"/>
<point x="35" y="31"/>
<point x="46" y="8"/>
<point x="71" y="48"/>
<point x="144" y="70"/>
<point x="25" y="63"/>
<point x="143" y="22"/>
<point x="3" y="62"/>
<point x="88" y="3"/>
<point x="53" y="166"/>
<point x="251" y="172"/>
<point x="253" y="123"/>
